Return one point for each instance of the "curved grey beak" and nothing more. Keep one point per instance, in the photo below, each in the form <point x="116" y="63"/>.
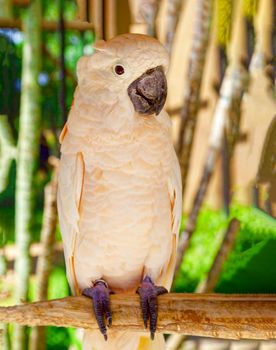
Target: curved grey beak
<point x="148" y="92"/>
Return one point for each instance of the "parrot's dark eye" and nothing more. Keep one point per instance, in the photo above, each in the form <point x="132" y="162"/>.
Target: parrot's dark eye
<point x="119" y="69"/>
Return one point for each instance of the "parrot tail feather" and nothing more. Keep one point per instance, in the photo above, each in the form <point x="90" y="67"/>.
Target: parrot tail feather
<point x="125" y="340"/>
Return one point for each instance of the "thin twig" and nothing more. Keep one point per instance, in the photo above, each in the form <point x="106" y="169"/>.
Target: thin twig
<point x="28" y="155"/>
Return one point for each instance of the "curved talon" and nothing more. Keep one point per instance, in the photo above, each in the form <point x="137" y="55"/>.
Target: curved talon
<point x="99" y="293"/>
<point x="148" y="298"/>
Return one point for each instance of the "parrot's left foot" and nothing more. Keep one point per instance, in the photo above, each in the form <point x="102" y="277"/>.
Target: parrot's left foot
<point x="148" y="297"/>
<point x="99" y="293"/>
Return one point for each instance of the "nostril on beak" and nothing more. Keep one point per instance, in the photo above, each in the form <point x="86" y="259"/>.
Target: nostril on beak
<point x="148" y="93"/>
<point x="149" y="86"/>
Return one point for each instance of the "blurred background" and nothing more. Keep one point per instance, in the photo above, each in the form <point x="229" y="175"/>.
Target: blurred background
<point x="222" y="102"/>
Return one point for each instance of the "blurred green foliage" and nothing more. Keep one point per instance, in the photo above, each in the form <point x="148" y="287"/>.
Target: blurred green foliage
<point x="250" y="267"/>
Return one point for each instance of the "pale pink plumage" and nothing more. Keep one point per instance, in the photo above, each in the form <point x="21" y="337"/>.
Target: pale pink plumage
<point x="119" y="196"/>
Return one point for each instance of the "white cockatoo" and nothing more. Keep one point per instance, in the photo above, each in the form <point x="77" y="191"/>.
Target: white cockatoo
<point x="119" y="189"/>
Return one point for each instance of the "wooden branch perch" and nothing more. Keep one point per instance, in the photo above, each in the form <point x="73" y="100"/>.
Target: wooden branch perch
<point x="208" y="315"/>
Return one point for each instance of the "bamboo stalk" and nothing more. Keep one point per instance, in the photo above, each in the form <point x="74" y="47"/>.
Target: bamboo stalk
<point x="264" y="28"/>
<point x="266" y="170"/>
<point x="208" y="315"/>
<point x="6" y="8"/>
<point x="4" y="337"/>
<point x="7" y="151"/>
<point x="227" y="111"/>
<point x="173" y="12"/>
<point x="232" y="88"/>
<point x="27" y="159"/>
<point x="50" y="26"/>
<point x="110" y="19"/>
<point x="96" y="14"/>
<point x="226" y="174"/>
<point x="273" y="43"/>
<point x="62" y="88"/>
<point x="44" y="263"/>
<point x="82" y="10"/>
<point x="191" y="102"/>
<point x="149" y="11"/>
<point x="7" y="155"/>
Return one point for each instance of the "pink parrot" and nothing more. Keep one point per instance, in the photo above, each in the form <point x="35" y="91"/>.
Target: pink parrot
<point x="119" y="192"/>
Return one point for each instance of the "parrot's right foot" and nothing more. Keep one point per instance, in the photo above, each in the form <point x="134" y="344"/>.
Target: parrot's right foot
<point x="99" y="293"/>
<point x="148" y="292"/>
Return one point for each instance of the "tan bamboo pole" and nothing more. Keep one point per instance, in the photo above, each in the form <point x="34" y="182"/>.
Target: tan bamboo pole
<point x="7" y="155"/>
<point x="148" y="10"/>
<point x="264" y="56"/>
<point x="173" y="12"/>
<point x="110" y="19"/>
<point x="273" y="40"/>
<point x="264" y="26"/>
<point x="27" y="155"/>
<point x="44" y="263"/>
<point x="208" y="315"/>
<point x="82" y="10"/>
<point x="266" y="170"/>
<point x="50" y="26"/>
<point x="96" y="15"/>
<point x="231" y="91"/>
<point x="7" y="151"/>
<point x="6" y="8"/>
<point x="232" y="86"/>
<point x="191" y="101"/>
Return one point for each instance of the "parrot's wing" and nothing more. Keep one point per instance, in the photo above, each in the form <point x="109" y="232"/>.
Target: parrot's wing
<point x="175" y="195"/>
<point x="70" y="187"/>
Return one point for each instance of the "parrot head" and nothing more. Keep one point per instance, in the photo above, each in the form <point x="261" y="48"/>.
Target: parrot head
<point x="128" y="67"/>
